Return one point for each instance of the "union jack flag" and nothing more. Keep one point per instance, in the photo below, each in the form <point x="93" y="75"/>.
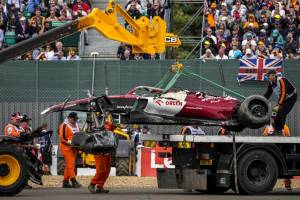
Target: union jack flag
<point x="256" y="69"/>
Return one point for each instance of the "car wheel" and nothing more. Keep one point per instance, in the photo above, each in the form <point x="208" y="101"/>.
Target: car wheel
<point x="254" y="112"/>
<point x="122" y="166"/>
<point x="257" y="172"/>
<point x="61" y="164"/>
<point x="13" y="170"/>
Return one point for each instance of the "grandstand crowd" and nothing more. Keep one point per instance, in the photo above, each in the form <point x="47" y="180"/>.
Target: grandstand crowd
<point x="233" y="29"/>
<point x="251" y="29"/>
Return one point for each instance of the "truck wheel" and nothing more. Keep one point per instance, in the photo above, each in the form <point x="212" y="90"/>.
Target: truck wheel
<point x="254" y="112"/>
<point x="13" y="172"/>
<point x="61" y="164"/>
<point x="257" y="172"/>
<point x="122" y="166"/>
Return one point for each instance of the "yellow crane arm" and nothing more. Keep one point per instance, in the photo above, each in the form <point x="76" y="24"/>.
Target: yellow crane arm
<point x="147" y="36"/>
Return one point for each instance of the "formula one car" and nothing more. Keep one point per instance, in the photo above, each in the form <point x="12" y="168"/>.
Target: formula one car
<point x="151" y="105"/>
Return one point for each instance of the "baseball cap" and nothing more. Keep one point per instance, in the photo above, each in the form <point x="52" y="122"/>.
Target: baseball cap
<point x="206" y="42"/>
<point x="25" y="118"/>
<point x="73" y="115"/>
<point x="223" y="4"/>
<point x="277" y="16"/>
<point x="261" y="43"/>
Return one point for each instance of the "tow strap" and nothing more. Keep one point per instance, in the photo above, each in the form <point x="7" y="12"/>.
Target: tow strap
<point x="169" y="80"/>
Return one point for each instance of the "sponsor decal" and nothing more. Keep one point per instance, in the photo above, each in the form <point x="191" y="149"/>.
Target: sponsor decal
<point x="168" y="102"/>
<point x="158" y="102"/>
<point x="125" y="107"/>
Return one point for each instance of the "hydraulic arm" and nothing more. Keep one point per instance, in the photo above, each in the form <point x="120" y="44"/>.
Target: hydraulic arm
<point x="147" y="36"/>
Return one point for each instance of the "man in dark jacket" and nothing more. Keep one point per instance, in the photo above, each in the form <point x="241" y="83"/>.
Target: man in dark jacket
<point x="287" y="97"/>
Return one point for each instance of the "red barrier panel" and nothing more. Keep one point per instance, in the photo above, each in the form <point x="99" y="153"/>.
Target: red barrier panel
<point x="150" y="160"/>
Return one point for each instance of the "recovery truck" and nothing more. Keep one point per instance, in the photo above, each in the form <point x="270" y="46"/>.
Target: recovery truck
<point x="214" y="164"/>
<point x="17" y="165"/>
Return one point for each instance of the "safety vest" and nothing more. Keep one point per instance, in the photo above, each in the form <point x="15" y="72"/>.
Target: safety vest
<point x="12" y="130"/>
<point x="277" y="88"/>
<point x="269" y="130"/>
<point x="66" y="131"/>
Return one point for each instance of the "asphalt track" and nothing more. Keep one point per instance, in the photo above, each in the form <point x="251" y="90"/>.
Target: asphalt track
<point x="142" y="194"/>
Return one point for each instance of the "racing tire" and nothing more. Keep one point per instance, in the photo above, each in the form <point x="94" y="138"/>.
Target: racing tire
<point x="122" y="166"/>
<point x="13" y="170"/>
<point x="254" y="112"/>
<point x="257" y="172"/>
<point x="61" y="164"/>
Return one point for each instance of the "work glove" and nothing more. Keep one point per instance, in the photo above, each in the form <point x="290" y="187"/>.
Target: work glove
<point x="276" y="108"/>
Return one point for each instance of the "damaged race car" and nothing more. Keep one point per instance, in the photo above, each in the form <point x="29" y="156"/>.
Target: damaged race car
<point x="152" y="105"/>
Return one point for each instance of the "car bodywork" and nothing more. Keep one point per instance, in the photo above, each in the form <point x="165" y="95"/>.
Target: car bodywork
<point x="150" y="105"/>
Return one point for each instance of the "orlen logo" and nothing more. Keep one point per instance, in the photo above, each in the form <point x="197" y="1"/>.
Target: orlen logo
<point x="158" y="102"/>
<point x="173" y="103"/>
<point x="168" y="103"/>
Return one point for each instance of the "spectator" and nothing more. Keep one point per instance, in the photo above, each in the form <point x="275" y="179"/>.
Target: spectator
<point x="52" y="16"/>
<point x="249" y="54"/>
<point x="262" y="51"/>
<point x="39" y="19"/>
<point x="221" y="55"/>
<point x="58" y="46"/>
<point x="208" y="55"/>
<point x="12" y="23"/>
<point x="127" y="54"/>
<point x="138" y="56"/>
<point x="210" y="37"/>
<point x="134" y="10"/>
<point x="65" y="14"/>
<point x="121" y="49"/>
<point x="207" y="45"/>
<point x="248" y="41"/>
<point x="235" y="53"/>
<point x="278" y="11"/>
<point x="3" y="18"/>
<point x="276" y="39"/>
<point x="49" y="52"/>
<point x="54" y="6"/>
<point x="15" y="3"/>
<point x="72" y="55"/>
<point x="58" y="56"/>
<point x="240" y="8"/>
<point x="290" y="44"/>
<point x="22" y="30"/>
<point x="85" y="7"/>
<point x="276" y="54"/>
<point x="251" y="22"/>
<point x="210" y="18"/>
<point x="1" y="37"/>
<point x="33" y="28"/>
<point x="33" y="5"/>
<point x="80" y="12"/>
<point x="156" y="10"/>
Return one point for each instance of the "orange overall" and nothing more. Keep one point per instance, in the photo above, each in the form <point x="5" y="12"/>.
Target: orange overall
<point x="66" y="132"/>
<point x="103" y="164"/>
<point x="12" y="130"/>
